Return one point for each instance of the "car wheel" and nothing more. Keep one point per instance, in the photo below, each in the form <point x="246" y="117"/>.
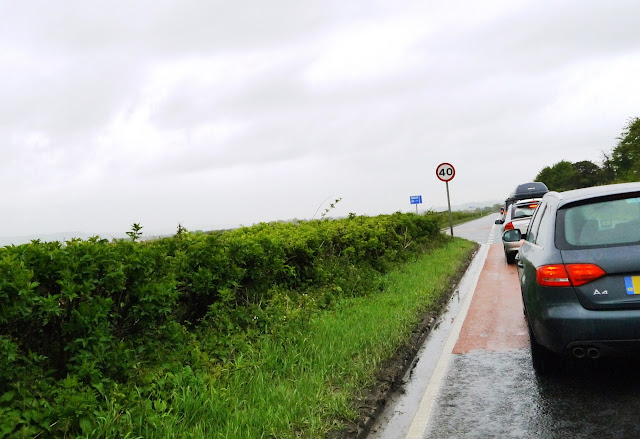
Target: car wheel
<point x="544" y="361"/>
<point x="511" y="257"/>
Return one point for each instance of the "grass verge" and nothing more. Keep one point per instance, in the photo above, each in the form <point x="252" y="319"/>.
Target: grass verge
<point x="303" y="382"/>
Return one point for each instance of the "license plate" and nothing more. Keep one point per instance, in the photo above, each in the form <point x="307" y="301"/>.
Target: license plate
<point x="632" y="284"/>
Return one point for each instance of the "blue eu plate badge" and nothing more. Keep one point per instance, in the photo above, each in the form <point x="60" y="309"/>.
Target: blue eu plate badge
<point x="632" y="284"/>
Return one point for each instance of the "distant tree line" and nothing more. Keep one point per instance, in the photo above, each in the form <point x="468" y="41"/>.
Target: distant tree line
<point x="621" y="165"/>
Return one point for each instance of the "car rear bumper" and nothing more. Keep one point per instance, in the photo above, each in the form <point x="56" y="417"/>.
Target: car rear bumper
<point x="598" y="348"/>
<point x="563" y="328"/>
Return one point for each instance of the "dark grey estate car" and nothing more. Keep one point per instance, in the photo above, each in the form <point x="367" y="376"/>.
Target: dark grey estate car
<point x="579" y="271"/>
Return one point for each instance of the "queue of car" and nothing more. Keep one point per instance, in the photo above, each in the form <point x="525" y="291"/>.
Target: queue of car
<point x="519" y="208"/>
<point x="578" y="262"/>
<point x="517" y="217"/>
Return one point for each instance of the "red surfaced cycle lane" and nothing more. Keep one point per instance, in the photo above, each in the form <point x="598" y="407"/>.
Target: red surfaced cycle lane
<point x="494" y="321"/>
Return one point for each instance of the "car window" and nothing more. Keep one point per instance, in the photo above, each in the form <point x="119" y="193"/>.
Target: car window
<point x="523" y="211"/>
<point x="543" y="229"/>
<point x="609" y="222"/>
<point x="532" y="232"/>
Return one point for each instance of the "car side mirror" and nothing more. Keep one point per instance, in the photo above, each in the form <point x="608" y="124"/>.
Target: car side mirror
<point x="499" y="221"/>
<point x="512" y="235"/>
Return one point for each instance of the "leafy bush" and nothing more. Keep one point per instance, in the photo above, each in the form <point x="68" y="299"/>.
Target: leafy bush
<point x="85" y="324"/>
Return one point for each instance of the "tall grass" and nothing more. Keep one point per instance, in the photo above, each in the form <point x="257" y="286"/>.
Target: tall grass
<point x="303" y="381"/>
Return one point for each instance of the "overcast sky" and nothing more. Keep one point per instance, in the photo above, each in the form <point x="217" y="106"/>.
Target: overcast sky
<point x="219" y="113"/>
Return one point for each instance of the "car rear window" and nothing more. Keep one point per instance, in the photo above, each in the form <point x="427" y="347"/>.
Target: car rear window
<point x="602" y="223"/>
<point x="523" y="211"/>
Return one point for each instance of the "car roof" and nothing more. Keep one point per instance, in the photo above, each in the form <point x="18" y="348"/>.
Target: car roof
<point x="593" y="192"/>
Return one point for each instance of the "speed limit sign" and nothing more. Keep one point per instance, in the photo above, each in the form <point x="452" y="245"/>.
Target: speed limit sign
<point x="445" y="171"/>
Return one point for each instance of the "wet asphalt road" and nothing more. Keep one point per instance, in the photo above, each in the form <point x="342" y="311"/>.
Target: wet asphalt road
<point x="489" y="387"/>
<point x="497" y="395"/>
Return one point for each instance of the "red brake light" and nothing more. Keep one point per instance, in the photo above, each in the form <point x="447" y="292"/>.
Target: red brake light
<point x="533" y="206"/>
<point x="581" y="274"/>
<point x="560" y="275"/>
<point x="508" y="226"/>
<point x="552" y="276"/>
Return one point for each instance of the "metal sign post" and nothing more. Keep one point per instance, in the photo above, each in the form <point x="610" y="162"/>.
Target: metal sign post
<point x="446" y="172"/>
<point x="416" y="199"/>
<point x="449" y="204"/>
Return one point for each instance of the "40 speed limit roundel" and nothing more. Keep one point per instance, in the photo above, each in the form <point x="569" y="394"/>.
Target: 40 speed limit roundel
<point x="445" y="171"/>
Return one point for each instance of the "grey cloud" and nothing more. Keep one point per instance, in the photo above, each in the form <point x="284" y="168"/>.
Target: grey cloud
<point x="71" y="68"/>
<point x="539" y="36"/>
<point x="151" y="27"/>
<point x="288" y="120"/>
<point x="472" y="91"/>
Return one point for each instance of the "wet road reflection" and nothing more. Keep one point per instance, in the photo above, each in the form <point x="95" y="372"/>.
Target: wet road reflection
<point x="497" y="394"/>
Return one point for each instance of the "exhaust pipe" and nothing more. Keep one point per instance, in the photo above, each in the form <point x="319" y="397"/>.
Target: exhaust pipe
<point x="593" y="353"/>
<point x="578" y="352"/>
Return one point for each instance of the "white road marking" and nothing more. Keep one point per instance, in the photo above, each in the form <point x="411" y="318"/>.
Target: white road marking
<point x="490" y="239"/>
<point x="468" y="285"/>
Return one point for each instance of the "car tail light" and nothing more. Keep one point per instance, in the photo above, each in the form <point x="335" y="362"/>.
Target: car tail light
<point x="552" y="276"/>
<point x="560" y="275"/>
<point x="533" y="206"/>
<point x="508" y="226"/>
<point x="581" y="274"/>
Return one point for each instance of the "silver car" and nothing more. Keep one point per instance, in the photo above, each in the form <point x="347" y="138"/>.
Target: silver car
<point x="517" y="216"/>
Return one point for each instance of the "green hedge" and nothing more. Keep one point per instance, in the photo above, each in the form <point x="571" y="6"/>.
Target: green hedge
<point x="81" y="320"/>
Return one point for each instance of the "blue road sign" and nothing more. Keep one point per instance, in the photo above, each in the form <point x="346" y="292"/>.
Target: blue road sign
<point x="416" y="199"/>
